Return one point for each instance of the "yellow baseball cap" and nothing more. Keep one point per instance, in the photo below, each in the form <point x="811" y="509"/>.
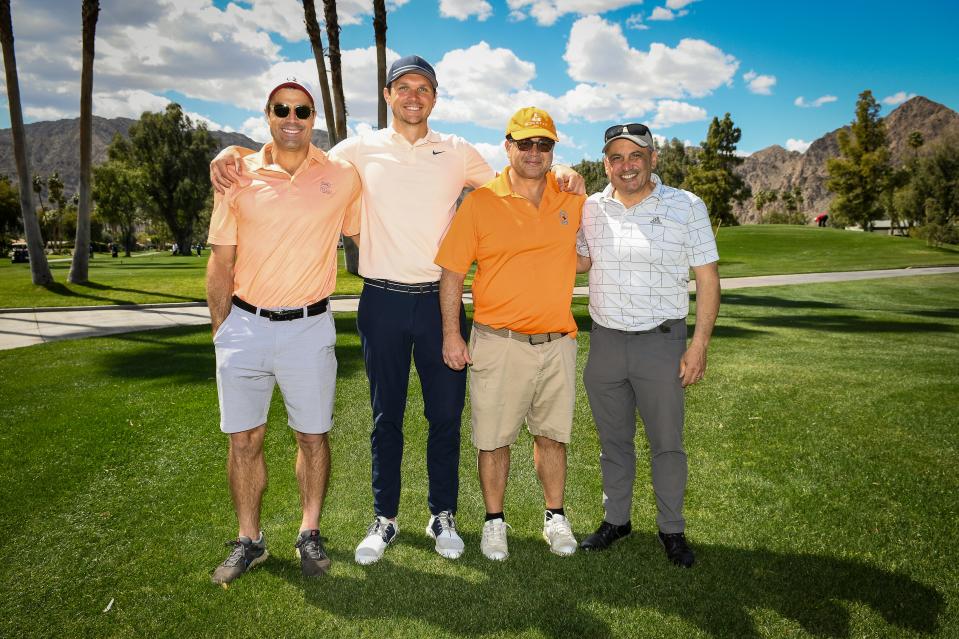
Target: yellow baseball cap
<point x="530" y="122"/>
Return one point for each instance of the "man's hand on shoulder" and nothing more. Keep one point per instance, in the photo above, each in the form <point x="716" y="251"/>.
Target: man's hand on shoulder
<point x="227" y="167"/>
<point x="569" y="180"/>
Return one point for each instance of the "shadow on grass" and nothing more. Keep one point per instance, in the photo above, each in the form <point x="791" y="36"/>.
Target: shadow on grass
<point x="557" y="596"/>
<point x="62" y="290"/>
<point x="769" y="301"/>
<point x="851" y="324"/>
<point x="161" y="356"/>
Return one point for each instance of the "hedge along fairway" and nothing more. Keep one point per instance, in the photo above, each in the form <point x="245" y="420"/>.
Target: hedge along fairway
<point x="745" y="250"/>
<point x="822" y="498"/>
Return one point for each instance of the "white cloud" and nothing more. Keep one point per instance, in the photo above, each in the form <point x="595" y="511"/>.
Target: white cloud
<point x="678" y="4"/>
<point x="256" y="129"/>
<point x="547" y="12"/>
<point x="670" y="112"/>
<point x="797" y="145"/>
<point x="898" y="98"/>
<point x="661" y="13"/>
<point x="759" y="84"/>
<point x="635" y="22"/>
<point x="598" y="52"/>
<point x="494" y="154"/>
<point x="815" y="104"/>
<point x="463" y="9"/>
<point x="127" y="103"/>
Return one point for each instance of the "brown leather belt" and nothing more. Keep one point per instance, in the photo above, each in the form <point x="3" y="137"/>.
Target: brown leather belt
<point x="534" y="339"/>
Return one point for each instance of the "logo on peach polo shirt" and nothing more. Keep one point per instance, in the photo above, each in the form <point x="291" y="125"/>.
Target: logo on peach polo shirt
<point x="326" y="187"/>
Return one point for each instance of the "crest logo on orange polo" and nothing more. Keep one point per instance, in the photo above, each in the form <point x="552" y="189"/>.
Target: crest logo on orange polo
<point x="563" y="217"/>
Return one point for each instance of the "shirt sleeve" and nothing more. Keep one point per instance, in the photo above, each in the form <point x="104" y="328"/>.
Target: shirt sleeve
<point x="477" y="170"/>
<point x="700" y="241"/>
<point x="458" y="249"/>
<point x="345" y="150"/>
<point x="223" y="219"/>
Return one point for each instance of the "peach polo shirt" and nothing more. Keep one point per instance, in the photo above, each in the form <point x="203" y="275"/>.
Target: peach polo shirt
<point x="286" y="227"/>
<point x="409" y="198"/>
<point x="525" y="255"/>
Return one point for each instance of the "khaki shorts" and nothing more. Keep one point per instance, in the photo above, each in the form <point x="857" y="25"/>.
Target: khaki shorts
<point x="512" y="382"/>
<point x="254" y="354"/>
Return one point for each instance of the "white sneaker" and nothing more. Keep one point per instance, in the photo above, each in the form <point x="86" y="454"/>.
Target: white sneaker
<point x="559" y="535"/>
<point x="442" y="528"/>
<point x="378" y="536"/>
<point x="493" y="543"/>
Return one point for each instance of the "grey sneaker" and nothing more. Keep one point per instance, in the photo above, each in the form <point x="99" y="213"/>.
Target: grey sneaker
<point x="378" y="536"/>
<point x="559" y="535"/>
<point x="245" y="555"/>
<point x="493" y="544"/>
<point x="442" y="528"/>
<point x="314" y="562"/>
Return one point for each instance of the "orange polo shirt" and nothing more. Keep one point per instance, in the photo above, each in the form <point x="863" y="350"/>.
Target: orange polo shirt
<point x="286" y="227"/>
<point x="525" y="255"/>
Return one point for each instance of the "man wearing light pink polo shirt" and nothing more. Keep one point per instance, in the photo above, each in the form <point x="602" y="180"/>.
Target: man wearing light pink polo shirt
<point x="270" y="316"/>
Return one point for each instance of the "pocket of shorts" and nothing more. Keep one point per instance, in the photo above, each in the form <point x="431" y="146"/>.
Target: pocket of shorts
<point x="221" y="329"/>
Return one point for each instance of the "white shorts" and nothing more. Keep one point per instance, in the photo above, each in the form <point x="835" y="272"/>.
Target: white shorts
<point x="254" y="353"/>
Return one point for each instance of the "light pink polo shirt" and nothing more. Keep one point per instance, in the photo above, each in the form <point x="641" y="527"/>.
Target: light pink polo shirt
<point x="409" y="198"/>
<point x="285" y="227"/>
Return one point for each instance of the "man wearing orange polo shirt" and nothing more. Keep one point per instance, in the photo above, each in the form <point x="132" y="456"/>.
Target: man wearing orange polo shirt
<point x="521" y="232"/>
<point x="273" y="266"/>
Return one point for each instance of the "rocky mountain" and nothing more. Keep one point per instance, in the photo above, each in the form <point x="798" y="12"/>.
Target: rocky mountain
<point x="55" y="146"/>
<point x="776" y="168"/>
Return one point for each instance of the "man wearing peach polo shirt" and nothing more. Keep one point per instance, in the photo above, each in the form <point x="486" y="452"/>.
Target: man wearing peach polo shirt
<point x="520" y="229"/>
<point x="273" y="266"/>
<point x="412" y="177"/>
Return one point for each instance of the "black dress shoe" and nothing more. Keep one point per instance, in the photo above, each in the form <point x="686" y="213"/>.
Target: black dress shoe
<point x="677" y="550"/>
<point x="605" y="535"/>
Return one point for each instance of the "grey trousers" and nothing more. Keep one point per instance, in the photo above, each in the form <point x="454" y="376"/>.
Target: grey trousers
<point x="629" y="372"/>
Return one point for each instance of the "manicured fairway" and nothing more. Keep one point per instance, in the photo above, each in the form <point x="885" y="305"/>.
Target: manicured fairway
<point x="823" y="497"/>
<point x="745" y="250"/>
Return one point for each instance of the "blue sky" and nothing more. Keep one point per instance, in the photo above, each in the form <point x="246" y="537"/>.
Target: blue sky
<point x="787" y="72"/>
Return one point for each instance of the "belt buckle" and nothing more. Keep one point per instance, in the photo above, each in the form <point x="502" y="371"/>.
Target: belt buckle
<point x="548" y="338"/>
<point x="286" y="316"/>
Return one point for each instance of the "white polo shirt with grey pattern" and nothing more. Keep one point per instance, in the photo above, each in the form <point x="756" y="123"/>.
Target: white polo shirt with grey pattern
<point x="641" y="256"/>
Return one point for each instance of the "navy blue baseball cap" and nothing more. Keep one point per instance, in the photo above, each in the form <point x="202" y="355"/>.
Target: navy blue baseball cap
<point x="411" y="64"/>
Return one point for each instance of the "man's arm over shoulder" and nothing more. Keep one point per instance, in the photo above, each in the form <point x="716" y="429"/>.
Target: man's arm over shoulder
<point x="227" y="167"/>
<point x="476" y="170"/>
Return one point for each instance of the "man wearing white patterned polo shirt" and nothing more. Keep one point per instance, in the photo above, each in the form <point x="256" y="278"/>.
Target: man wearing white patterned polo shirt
<point x="639" y="239"/>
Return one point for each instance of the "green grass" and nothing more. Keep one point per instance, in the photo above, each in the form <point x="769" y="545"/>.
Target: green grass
<point x="745" y="250"/>
<point x="823" y="496"/>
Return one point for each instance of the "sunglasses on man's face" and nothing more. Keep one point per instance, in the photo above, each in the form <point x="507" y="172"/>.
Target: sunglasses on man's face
<point x="544" y="145"/>
<point x="631" y="129"/>
<point x="302" y="111"/>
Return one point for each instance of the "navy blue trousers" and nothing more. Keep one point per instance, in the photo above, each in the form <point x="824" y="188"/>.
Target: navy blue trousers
<point x="394" y="328"/>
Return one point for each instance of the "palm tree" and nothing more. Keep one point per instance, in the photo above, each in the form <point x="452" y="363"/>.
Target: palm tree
<point x="316" y="41"/>
<point x="379" y="30"/>
<point x="80" y="267"/>
<point x="39" y="268"/>
<point x="336" y="69"/>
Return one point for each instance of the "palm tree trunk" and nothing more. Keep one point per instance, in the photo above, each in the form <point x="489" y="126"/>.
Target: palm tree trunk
<point x="39" y="267"/>
<point x="379" y="30"/>
<point x="80" y="267"/>
<point x="316" y="41"/>
<point x="336" y="69"/>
